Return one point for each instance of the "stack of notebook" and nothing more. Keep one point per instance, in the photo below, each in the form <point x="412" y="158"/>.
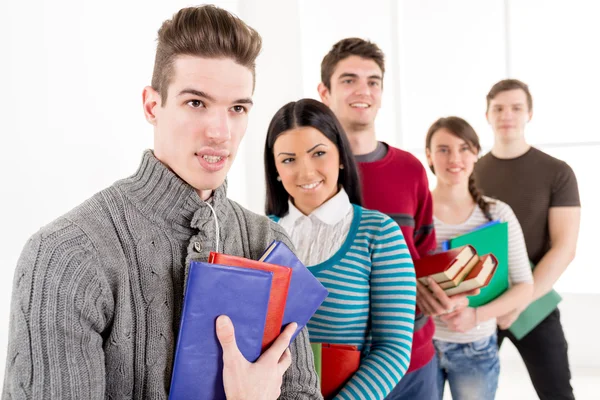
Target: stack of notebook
<point x="457" y="270"/>
<point x="261" y="298"/>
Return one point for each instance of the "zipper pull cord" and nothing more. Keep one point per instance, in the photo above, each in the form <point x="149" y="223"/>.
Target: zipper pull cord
<point x="216" y="226"/>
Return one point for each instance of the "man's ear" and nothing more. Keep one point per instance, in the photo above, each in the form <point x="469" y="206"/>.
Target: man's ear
<point x="530" y="115"/>
<point x="323" y="93"/>
<point x="151" y="100"/>
<point x="428" y="156"/>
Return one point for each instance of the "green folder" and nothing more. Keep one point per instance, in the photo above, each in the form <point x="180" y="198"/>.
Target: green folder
<point x="535" y="313"/>
<point x="491" y="238"/>
<point x="317" y="351"/>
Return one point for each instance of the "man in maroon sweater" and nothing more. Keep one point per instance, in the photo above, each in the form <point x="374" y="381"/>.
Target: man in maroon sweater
<point x="393" y="181"/>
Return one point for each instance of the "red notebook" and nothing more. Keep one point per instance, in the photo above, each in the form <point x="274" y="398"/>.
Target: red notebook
<point x="339" y="362"/>
<point x="444" y="266"/>
<point x="279" y="290"/>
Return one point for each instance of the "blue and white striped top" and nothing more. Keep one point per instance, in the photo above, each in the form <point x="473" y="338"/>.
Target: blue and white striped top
<point x="371" y="302"/>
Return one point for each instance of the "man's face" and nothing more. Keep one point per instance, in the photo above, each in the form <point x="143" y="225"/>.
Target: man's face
<point x="197" y="131"/>
<point x="355" y="94"/>
<point x="508" y="114"/>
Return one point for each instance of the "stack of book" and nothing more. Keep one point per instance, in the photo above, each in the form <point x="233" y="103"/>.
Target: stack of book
<point x="457" y="270"/>
<point x="261" y="298"/>
<point x="492" y="237"/>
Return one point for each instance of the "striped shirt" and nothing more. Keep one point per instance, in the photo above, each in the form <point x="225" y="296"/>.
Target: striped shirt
<point x="397" y="186"/>
<point x="371" y="302"/>
<point x="519" y="269"/>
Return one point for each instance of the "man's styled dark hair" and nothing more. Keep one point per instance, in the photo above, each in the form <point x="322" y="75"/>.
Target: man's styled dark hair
<point x="346" y="48"/>
<point x="307" y="113"/>
<point x="205" y="31"/>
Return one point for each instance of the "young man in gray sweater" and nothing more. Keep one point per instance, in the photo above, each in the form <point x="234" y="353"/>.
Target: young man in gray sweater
<point x="97" y="293"/>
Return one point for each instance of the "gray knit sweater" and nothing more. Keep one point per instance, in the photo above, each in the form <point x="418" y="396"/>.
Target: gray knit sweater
<point x="97" y="293"/>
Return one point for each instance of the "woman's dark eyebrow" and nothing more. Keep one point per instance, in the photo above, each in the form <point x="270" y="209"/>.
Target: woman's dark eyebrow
<point x="314" y="147"/>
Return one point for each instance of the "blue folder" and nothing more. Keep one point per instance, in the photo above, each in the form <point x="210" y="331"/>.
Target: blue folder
<point x="305" y="294"/>
<point x="446" y="244"/>
<point x="213" y="290"/>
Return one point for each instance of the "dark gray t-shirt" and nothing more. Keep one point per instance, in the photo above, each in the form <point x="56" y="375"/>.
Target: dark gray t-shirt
<point x="530" y="184"/>
<point x="376" y="155"/>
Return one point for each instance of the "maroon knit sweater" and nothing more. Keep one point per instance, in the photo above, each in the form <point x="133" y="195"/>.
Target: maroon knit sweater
<point x="397" y="186"/>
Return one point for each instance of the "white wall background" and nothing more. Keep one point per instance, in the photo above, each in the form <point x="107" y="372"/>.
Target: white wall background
<point x="72" y="73"/>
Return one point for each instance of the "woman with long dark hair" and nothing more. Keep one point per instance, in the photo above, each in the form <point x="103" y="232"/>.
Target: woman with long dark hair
<point x="359" y="255"/>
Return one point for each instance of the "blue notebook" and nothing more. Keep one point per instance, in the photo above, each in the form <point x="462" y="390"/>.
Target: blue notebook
<point x="305" y="294"/>
<point x="213" y="290"/>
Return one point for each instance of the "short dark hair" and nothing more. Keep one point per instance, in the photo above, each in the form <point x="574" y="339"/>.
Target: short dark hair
<point x="509" y="84"/>
<point x="205" y="31"/>
<point x="346" y="48"/>
<point x="462" y="130"/>
<point x="298" y="114"/>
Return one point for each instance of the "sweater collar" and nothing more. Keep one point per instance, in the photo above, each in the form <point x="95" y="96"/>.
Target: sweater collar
<point x="168" y="200"/>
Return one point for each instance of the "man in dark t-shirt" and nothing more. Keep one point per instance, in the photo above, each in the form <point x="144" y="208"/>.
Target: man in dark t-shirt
<point x="543" y="193"/>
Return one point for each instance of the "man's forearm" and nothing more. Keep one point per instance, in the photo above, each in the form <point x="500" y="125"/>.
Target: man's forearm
<point x="563" y="225"/>
<point x="515" y="297"/>
<point x="549" y="269"/>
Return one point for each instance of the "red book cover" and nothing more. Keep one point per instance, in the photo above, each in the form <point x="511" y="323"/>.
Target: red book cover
<point x="339" y="362"/>
<point x="460" y="275"/>
<point x="279" y="290"/>
<point x="445" y="265"/>
<point x="487" y="258"/>
<point x="490" y="276"/>
<point x="479" y="277"/>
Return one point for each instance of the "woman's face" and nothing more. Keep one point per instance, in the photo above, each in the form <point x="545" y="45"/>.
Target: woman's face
<point x="308" y="164"/>
<point x="451" y="157"/>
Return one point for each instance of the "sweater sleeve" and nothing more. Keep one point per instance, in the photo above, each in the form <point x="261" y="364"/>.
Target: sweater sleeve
<point x="300" y="381"/>
<point x="424" y="235"/>
<point x="392" y="311"/>
<point x="58" y="310"/>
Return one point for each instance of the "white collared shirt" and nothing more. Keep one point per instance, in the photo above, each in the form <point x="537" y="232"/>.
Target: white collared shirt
<point x="319" y="235"/>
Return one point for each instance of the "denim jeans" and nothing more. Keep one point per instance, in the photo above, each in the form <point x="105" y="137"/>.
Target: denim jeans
<point x="418" y="384"/>
<point x="471" y="369"/>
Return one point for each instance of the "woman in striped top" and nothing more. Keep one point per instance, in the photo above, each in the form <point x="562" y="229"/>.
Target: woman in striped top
<point x="359" y="255"/>
<point x="465" y="339"/>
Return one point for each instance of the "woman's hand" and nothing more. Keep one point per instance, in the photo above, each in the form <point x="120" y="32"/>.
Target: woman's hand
<point x="433" y="301"/>
<point x="461" y="320"/>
